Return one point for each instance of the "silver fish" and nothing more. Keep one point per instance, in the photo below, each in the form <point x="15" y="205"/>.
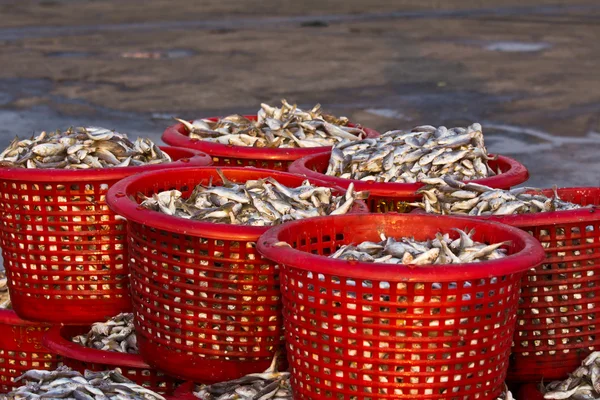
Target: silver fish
<point x="261" y="203"/>
<point x="117" y="334"/>
<point x="81" y="148"/>
<point x="285" y="127"/>
<point x="406" y="157"/>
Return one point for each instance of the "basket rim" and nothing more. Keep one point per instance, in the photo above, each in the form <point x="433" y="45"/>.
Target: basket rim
<point x="56" y="342"/>
<point x="541" y="218"/>
<point x="10" y="317"/>
<point x="531" y="255"/>
<point x="174" y="136"/>
<point x="515" y="175"/>
<point x="186" y="158"/>
<point x="119" y="202"/>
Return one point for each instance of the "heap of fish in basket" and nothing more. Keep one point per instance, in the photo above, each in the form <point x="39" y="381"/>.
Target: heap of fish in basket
<point x="409" y="157"/>
<point x="117" y="334"/>
<point x="81" y="148"/>
<point x="262" y="202"/>
<point x="284" y="127"/>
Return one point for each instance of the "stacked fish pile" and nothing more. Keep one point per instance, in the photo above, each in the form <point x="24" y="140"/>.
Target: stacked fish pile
<point x="117" y="334"/>
<point x="81" y="148"/>
<point x="409" y="157"/>
<point x="4" y="295"/>
<point x="285" y="127"/>
<point x="268" y="385"/>
<point x="583" y="384"/>
<point x="449" y="196"/>
<point x="441" y="250"/>
<point x="262" y="202"/>
<point x="65" y="383"/>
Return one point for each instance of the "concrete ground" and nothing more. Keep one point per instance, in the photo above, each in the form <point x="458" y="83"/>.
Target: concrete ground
<point x="527" y="70"/>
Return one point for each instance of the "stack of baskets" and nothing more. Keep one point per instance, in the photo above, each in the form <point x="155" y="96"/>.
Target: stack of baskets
<point x="214" y="302"/>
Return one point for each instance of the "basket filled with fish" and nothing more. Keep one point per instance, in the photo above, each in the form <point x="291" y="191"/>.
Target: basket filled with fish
<point x="392" y="166"/>
<point x="106" y="346"/>
<point x="63" y="249"/>
<point x="399" y="306"/>
<point x="21" y="346"/>
<point x="207" y="304"/>
<point x="65" y="383"/>
<point x="271" y="139"/>
<point x="558" y="323"/>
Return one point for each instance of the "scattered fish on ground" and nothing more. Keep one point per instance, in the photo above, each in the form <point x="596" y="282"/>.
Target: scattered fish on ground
<point x="285" y="127"/>
<point x="81" y="148"/>
<point x="582" y="384"/>
<point x="117" y="334"/>
<point x="448" y="196"/>
<point x="64" y="383"/>
<point x="268" y="385"/>
<point x="261" y="202"/>
<point x="409" y="157"/>
<point x="441" y="250"/>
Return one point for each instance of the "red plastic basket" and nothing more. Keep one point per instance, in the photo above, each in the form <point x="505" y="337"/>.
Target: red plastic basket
<point x="227" y="322"/>
<point x="375" y="331"/>
<point x="558" y="322"/>
<point x="529" y="391"/>
<point x="386" y="197"/>
<point x="240" y="156"/>
<point x="64" y="250"/>
<point x="80" y="358"/>
<point x="21" y="349"/>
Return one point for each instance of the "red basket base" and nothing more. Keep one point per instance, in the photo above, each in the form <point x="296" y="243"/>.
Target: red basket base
<point x="80" y="311"/>
<point x="200" y="370"/>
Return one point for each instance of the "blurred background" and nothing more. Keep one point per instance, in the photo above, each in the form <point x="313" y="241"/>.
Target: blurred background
<point x="527" y="70"/>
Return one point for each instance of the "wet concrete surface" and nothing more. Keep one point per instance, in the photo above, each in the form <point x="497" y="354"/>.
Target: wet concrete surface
<point x="527" y="70"/>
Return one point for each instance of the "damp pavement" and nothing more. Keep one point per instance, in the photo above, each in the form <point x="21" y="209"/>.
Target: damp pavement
<point x="526" y="70"/>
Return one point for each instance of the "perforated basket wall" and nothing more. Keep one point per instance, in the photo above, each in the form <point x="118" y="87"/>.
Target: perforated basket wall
<point x="21" y="349"/>
<point x="364" y="331"/>
<point x="278" y="159"/>
<point x="394" y="197"/>
<point x="559" y="313"/>
<point x="64" y="250"/>
<point x="207" y="304"/>
<point x="81" y="358"/>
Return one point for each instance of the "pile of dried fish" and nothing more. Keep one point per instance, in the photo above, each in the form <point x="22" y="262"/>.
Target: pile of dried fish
<point x="408" y="157"/>
<point x="116" y="334"/>
<point x="449" y="196"/>
<point x="81" y="148"/>
<point x="262" y="202"/>
<point x="4" y="296"/>
<point x="441" y="250"/>
<point x="262" y="386"/>
<point x="285" y="127"/>
<point x="583" y="384"/>
<point x="64" y="383"/>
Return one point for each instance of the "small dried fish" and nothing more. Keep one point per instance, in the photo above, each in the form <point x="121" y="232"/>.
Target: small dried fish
<point x="408" y="157"/>
<point x="81" y="148"/>
<point x="68" y="384"/>
<point x="441" y="250"/>
<point x="449" y="196"/>
<point x="262" y="386"/>
<point x="117" y="334"/>
<point x="285" y="127"/>
<point x="583" y="384"/>
<point x="262" y="202"/>
<point x="507" y="395"/>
